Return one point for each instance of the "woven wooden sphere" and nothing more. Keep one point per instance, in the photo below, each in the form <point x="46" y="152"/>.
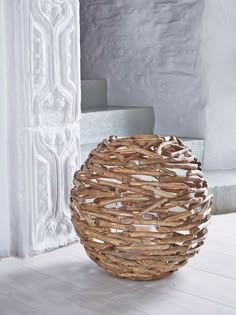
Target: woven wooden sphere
<point x="140" y="206"/>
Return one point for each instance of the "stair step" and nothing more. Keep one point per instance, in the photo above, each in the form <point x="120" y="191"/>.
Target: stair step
<point x="93" y="93"/>
<point x="197" y="146"/>
<point x="222" y="184"/>
<point x="98" y="123"/>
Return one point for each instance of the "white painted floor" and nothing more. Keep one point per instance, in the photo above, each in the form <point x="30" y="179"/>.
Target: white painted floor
<point x="66" y="282"/>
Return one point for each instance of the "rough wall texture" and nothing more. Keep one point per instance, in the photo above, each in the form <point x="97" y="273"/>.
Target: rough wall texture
<point x="149" y="52"/>
<point x="218" y="54"/>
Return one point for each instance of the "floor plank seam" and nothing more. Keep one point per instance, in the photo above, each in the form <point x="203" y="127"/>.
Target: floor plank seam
<point x="201" y="297"/>
<point x="141" y="311"/>
<point x="118" y="291"/>
<point x="221" y="253"/>
<point x="26" y="305"/>
<point x="71" y="282"/>
<point x="211" y="273"/>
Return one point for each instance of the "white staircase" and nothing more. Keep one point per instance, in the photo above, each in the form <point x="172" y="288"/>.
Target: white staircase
<point x="100" y="120"/>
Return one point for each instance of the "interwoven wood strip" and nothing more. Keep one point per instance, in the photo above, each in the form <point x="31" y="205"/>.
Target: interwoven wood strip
<point x="140" y="206"/>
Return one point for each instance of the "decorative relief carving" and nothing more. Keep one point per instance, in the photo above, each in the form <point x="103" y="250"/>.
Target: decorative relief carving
<point x="38" y="63"/>
<point x="58" y="141"/>
<point x="58" y="149"/>
<point x="49" y="90"/>
<point x="55" y="108"/>
<point x="70" y="45"/>
<point x="54" y="96"/>
<point x="54" y="11"/>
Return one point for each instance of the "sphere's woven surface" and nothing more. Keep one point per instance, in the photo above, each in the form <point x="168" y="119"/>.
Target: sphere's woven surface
<point x="140" y="206"/>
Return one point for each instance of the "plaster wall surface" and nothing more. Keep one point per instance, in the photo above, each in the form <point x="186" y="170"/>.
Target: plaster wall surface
<point x="149" y="53"/>
<point x="218" y="55"/>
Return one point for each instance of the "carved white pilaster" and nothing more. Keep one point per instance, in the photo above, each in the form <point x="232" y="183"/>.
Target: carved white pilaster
<point x="44" y="101"/>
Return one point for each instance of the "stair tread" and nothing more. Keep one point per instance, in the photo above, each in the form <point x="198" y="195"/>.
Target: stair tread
<point x="191" y="139"/>
<point x="100" y="122"/>
<point x="93" y="80"/>
<point x="184" y="139"/>
<point x="219" y="178"/>
<point x="106" y="108"/>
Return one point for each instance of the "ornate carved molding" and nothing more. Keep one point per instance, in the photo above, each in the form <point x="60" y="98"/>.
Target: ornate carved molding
<point x="45" y="112"/>
<point x="55" y="152"/>
<point x="54" y="93"/>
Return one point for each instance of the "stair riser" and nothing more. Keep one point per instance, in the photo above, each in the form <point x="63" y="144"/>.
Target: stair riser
<point x="222" y="184"/>
<point x="224" y="199"/>
<point x="93" y="93"/>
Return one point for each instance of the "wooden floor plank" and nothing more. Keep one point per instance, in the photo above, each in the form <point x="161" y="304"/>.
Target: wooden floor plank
<point x="215" y="262"/>
<point x="165" y="300"/>
<point x="9" y="306"/>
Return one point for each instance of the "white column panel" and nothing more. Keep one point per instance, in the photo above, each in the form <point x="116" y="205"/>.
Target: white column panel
<point x="44" y="111"/>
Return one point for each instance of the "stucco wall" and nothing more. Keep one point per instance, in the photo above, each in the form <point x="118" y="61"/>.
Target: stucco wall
<point x="149" y="52"/>
<point x="219" y="58"/>
<point x="177" y="56"/>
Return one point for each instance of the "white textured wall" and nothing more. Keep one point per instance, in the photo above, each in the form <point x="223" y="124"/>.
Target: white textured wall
<point x="219" y="57"/>
<point x="149" y="52"/>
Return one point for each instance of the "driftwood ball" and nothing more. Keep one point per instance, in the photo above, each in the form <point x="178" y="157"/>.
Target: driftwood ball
<point x="140" y="206"/>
